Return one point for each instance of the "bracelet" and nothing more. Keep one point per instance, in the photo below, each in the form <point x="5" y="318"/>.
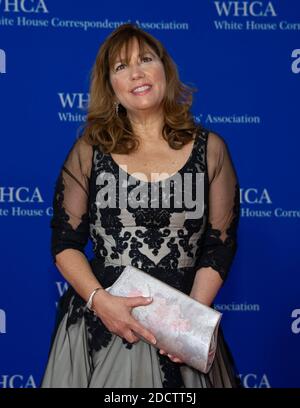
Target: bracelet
<point x="90" y="301"/>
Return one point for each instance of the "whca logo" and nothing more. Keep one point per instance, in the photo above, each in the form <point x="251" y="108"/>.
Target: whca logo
<point x="2" y="62"/>
<point x="17" y="381"/>
<point x="245" y="9"/>
<point x="23" y="6"/>
<point x="252" y="380"/>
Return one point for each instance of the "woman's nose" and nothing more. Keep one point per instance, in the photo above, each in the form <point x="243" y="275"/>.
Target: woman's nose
<point x="137" y="71"/>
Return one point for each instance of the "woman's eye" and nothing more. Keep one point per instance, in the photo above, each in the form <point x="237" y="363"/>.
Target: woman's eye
<point x="120" y="67"/>
<point x="146" y="59"/>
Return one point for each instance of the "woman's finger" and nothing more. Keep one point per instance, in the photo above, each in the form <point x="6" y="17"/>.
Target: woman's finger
<point x="139" y="330"/>
<point x="174" y="359"/>
<point x="171" y="357"/>
<point x="131" y="337"/>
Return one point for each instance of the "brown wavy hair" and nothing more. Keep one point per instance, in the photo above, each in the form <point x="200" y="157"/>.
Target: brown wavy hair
<point x="113" y="133"/>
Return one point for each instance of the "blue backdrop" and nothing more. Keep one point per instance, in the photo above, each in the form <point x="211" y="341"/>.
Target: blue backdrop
<point x="244" y="58"/>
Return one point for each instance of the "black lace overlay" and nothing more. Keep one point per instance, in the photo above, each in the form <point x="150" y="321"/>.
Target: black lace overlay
<point x="217" y="253"/>
<point x="171" y="372"/>
<point x="63" y="234"/>
<point x="163" y="242"/>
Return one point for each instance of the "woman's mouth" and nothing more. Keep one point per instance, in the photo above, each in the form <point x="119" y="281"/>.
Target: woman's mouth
<point x="141" y="90"/>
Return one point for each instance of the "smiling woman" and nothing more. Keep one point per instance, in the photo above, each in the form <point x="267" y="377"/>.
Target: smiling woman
<point x="131" y="58"/>
<point x="140" y="75"/>
<point x="139" y="117"/>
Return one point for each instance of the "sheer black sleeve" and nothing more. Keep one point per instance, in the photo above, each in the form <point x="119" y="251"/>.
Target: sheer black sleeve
<point x="70" y="221"/>
<point x="220" y="241"/>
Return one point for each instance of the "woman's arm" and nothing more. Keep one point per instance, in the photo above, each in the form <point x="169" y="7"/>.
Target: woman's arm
<point x="114" y="311"/>
<point x="206" y="285"/>
<point x="69" y="262"/>
<point x="220" y="241"/>
<point x="70" y="233"/>
<point x="219" y="244"/>
<point x="70" y="221"/>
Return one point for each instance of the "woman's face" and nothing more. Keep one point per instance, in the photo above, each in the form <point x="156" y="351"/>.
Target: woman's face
<point x="139" y="85"/>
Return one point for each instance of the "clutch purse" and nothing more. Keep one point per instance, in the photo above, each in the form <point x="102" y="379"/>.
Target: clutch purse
<point x="181" y="325"/>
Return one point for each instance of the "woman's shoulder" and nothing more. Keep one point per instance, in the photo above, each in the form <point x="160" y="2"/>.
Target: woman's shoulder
<point x="216" y="150"/>
<point x="82" y="147"/>
<point x="215" y="143"/>
<point x="213" y="139"/>
<point x="81" y="155"/>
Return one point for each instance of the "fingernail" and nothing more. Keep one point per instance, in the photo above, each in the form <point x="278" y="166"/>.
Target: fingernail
<point x="154" y="341"/>
<point x="149" y="299"/>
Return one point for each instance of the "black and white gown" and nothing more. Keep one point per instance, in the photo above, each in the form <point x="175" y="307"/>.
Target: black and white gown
<point x="163" y="242"/>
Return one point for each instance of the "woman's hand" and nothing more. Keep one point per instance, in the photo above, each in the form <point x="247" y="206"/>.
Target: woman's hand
<point x="171" y="357"/>
<point x="115" y="313"/>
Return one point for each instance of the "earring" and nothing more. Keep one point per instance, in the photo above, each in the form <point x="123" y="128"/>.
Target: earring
<point x="116" y="104"/>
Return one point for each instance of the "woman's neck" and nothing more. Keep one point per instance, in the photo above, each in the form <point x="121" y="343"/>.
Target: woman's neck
<point x="147" y="128"/>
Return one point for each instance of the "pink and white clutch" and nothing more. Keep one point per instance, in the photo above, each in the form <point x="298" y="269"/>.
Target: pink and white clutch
<point x="181" y="325"/>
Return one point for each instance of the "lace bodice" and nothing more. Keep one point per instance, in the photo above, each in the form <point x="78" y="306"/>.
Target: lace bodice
<point x="162" y="241"/>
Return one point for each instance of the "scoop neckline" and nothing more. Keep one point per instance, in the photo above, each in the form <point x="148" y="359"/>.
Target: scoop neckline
<point x="117" y="166"/>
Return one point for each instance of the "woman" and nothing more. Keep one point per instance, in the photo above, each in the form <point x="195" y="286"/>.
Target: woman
<point x="139" y="126"/>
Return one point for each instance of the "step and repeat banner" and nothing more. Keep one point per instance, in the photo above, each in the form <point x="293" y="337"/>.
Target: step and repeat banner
<point x="244" y="59"/>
